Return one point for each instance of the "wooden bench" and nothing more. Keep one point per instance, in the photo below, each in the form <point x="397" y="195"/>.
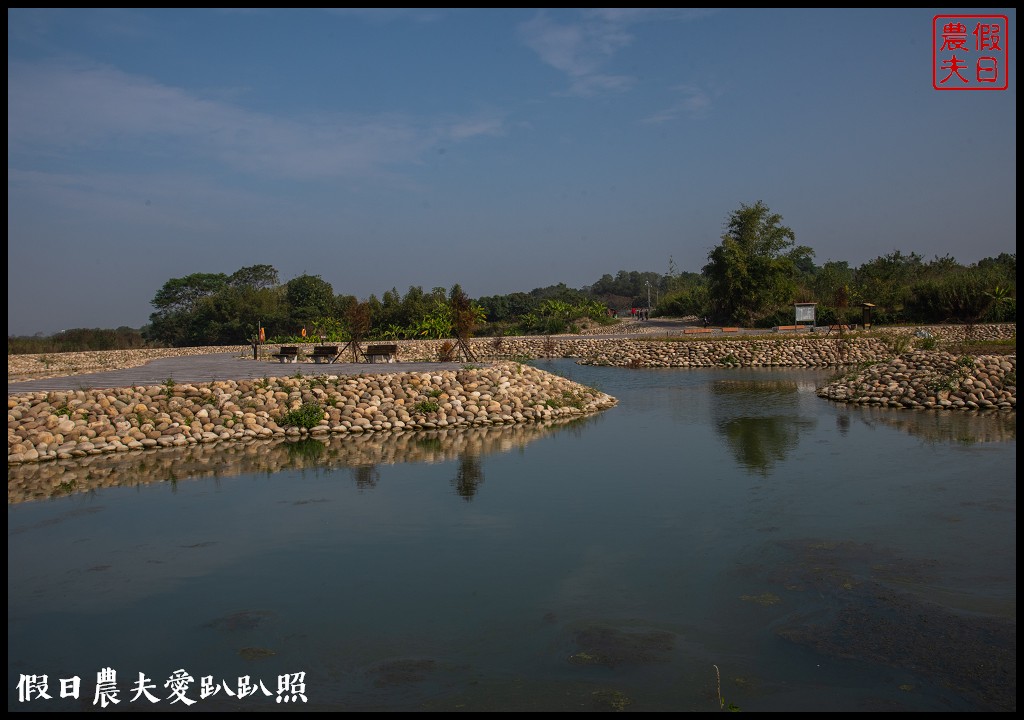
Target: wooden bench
<point x="731" y="329"/>
<point x="325" y="353"/>
<point x="288" y="354"/>
<point x="387" y="353"/>
<point x="692" y="330"/>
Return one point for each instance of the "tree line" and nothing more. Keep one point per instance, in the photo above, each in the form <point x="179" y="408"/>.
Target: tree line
<point x="752" y="278"/>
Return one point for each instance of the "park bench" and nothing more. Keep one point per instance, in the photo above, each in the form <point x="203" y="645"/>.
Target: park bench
<point x="694" y="330"/>
<point x="288" y="354"/>
<point x="386" y="353"/>
<point x="325" y="353"/>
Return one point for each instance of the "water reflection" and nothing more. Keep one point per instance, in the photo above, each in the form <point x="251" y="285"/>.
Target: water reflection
<point x="361" y="454"/>
<point x="469" y="476"/>
<point x="759" y="442"/>
<point x="824" y="557"/>
<point x="365" y="477"/>
<point x="942" y="426"/>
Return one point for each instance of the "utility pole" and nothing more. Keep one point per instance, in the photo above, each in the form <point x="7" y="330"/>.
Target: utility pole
<point x="648" y="294"/>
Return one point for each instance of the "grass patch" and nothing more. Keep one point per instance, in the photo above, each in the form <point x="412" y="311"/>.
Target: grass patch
<point x="568" y="398"/>
<point x="308" y="416"/>
<point x="426" y="406"/>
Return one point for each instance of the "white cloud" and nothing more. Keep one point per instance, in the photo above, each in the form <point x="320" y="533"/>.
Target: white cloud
<point x="581" y="49"/>
<point x="464" y="129"/>
<point x="695" y="102"/>
<point x="57" y="109"/>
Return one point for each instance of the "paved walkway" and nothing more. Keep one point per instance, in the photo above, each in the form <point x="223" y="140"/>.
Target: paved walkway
<point x="229" y="366"/>
<point x="216" y="366"/>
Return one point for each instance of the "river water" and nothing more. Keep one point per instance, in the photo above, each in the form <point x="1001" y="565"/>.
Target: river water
<point x="720" y="538"/>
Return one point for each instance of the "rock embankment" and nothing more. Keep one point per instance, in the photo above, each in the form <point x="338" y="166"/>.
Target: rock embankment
<point x="627" y="349"/>
<point x="932" y="380"/>
<point x="57" y="425"/>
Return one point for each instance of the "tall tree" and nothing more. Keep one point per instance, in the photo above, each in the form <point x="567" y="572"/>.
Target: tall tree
<point x="177" y="304"/>
<point x="465" y="317"/>
<point x="753" y="271"/>
<point x="310" y="298"/>
<point x="256" y="277"/>
<point x="886" y="282"/>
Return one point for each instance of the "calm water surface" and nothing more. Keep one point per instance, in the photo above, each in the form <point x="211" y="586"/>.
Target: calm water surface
<point x="718" y="534"/>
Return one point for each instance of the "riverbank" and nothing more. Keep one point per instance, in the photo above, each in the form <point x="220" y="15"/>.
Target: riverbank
<point x="656" y="343"/>
<point x="60" y="425"/>
<point x="882" y="369"/>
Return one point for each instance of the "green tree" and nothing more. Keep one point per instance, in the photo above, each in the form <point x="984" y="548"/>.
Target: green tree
<point x="437" y="323"/>
<point x="175" y="320"/>
<point x="686" y="299"/>
<point x="506" y="308"/>
<point x="967" y="295"/>
<point x="309" y="297"/>
<point x="752" y="273"/>
<point x="886" y="282"/>
<point x="255" y="277"/>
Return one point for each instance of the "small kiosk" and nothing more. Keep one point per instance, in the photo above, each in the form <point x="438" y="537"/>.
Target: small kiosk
<point x="805" y="313"/>
<point x="866" y="315"/>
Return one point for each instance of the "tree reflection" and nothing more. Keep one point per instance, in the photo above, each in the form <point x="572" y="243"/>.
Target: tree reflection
<point x="760" y="442"/>
<point x="365" y="476"/>
<point x="469" y="476"/>
<point x="843" y="423"/>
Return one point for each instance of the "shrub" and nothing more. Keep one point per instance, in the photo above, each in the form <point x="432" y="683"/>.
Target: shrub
<point x="308" y="416"/>
<point x="427" y="406"/>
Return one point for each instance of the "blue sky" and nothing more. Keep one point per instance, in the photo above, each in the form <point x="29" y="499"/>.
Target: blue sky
<point x="504" y="150"/>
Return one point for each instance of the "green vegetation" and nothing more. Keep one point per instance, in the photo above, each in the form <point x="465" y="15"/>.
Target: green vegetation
<point x="754" y="269"/>
<point x="896" y="343"/>
<point x="307" y="449"/>
<point x="426" y="407"/>
<point x="77" y="340"/>
<point x="721" y="700"/>
<point x="569" y="398"/>
<point x="308" y="416"/>
<point x="752" y="278"/>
